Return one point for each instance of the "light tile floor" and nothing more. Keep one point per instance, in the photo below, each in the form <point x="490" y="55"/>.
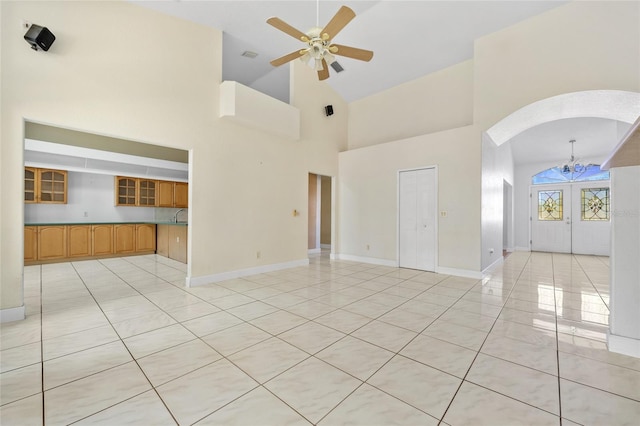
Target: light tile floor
<point x="121" y="341"/>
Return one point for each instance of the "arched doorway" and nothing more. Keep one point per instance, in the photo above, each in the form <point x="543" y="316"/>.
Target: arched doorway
<point x="498" y="164"/>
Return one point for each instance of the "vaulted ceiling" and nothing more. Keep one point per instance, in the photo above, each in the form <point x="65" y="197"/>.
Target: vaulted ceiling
<point x="410" y="39"/>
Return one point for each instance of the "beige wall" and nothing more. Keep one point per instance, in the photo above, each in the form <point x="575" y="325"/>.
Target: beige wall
<point x="583" y="45"/>
<point x="578" y="46"/>
<point x="105" y="75"/>
<point x="439" y="101"/>
<point x="368" y="196"/>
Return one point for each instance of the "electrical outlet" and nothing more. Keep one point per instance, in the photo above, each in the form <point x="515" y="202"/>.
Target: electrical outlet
<point x="25" y="24"/>
<point x="443" y="214"/>
<point x="86" y="214"/>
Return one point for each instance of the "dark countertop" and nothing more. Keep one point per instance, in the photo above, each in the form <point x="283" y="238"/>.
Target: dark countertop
<point x="106" y="223"/>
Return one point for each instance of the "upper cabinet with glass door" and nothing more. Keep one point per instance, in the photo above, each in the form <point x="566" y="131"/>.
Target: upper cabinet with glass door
<point x="45" y="186"/>
<point x="126" y="191"/>
<point x="147" y="192"/>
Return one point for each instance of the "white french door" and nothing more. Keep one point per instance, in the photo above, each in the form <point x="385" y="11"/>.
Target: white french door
<point x="417" y="219"/>
<point x="571" y="218"/>
<point x="551" y="218"/>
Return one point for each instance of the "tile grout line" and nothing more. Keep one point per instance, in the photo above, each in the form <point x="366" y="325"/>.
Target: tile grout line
<point x="125" y="346"/>
<point x="555" y="311"/>
<point x="483" y="342"/>
<point x="41" y="341"/>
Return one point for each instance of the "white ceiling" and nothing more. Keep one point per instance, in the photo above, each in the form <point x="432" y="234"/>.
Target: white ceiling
<point x="410" y="39"/>
<point x="595" y="139"/>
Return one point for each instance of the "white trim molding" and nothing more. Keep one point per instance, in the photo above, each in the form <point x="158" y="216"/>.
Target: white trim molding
<point x="12" y="314"/>
<point x="498" y="261"/>
<point x="314" y="251"/>
<point x="623" y="345"/>
<point x="371" y="260"/>
<point x="465" y="273"/>
<point x="224" y="276"/>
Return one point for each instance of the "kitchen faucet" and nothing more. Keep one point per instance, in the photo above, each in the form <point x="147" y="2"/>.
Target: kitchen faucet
<point x="175" y="217"/>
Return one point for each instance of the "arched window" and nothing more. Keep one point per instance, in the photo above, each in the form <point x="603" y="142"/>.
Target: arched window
<point x="587" y="173"/>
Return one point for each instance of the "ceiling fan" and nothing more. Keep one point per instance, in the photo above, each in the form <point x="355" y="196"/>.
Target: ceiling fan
<point x="319" y="46"/>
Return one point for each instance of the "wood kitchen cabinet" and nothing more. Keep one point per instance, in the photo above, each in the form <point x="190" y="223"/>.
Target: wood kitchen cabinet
<point x="124" y="238"/>
<point x="30" y="185"/>
<point x="102" y="240"/>
<point x="147" y="193"/>
<point x="126" y="191"/>
<point x="145" y="237"/>
<point x="162" y="240"/>
<point x="178" y="243"/>
<point x="172" y="242"/>
<point x="45" y="186"/>
<point x="181" y="195"/>
<point x="30" y="243"/>
<point x="52" y="186"/>
<point x="79" y="240"/>
<point x="173" y="194"/>
<point x="52" y="242"/>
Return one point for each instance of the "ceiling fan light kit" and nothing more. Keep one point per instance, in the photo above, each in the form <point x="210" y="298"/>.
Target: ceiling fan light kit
<point x="319" y="43"/>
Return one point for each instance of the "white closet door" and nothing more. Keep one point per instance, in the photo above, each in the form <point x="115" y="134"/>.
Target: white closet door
<point x="426" y="194"/>
<point x="408" y="220"/>
<point x="417" y="219"/>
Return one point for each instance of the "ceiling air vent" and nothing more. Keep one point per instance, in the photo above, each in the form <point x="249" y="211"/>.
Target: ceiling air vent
<point x="249" y="54"/>
<point x="336" y="66"/>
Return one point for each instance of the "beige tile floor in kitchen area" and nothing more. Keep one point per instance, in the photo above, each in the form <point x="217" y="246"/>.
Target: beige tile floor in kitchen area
<point x="122" y="341"/>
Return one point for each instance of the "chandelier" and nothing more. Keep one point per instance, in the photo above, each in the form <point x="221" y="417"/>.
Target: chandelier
<point x="574" y="168"/>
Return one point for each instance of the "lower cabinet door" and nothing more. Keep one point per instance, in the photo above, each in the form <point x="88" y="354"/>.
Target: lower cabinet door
<point x="162" y="240"/>
<point x="102" y="243"/>
<point x="145" y="237"/>
<point x="125" y="238"/>
<point x="30" y="243"/>
<point x="79" y="237"/>
<point x="52" y="242"/>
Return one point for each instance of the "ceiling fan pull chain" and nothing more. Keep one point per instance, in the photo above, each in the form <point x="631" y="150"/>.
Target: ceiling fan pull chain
<point x="317" y="13"/>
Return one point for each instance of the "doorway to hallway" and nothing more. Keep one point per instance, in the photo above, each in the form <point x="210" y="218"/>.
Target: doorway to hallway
<point x="319" y="213"/>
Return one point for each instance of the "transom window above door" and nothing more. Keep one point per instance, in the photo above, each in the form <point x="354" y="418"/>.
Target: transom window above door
<point x="592" y="172"/>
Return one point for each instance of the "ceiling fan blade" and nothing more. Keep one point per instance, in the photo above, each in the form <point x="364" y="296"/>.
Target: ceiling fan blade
<point x="286" y="28"/>
<point x="286" y="58"/>
<point x="352" y="52"/>
<point x="323" y="74"/>
<point x="337" y="23"/>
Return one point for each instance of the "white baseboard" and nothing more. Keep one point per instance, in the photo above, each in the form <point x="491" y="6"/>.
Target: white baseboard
<point x="223" y="276"/>
<point x="523" y="248"/>
<point x="362" y="259"/>
<point x="325" y="246"/>
<point x="12" y="314"/>
<point x="623" y="345"/>
<point x="497" y="262"/>
<point x="314" y="251"/>
<point x="465" y="273"/>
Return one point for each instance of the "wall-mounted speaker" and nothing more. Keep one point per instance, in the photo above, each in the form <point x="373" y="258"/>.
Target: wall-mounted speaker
<point x="328" y="110"/>
<point x="41" y="37"/>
